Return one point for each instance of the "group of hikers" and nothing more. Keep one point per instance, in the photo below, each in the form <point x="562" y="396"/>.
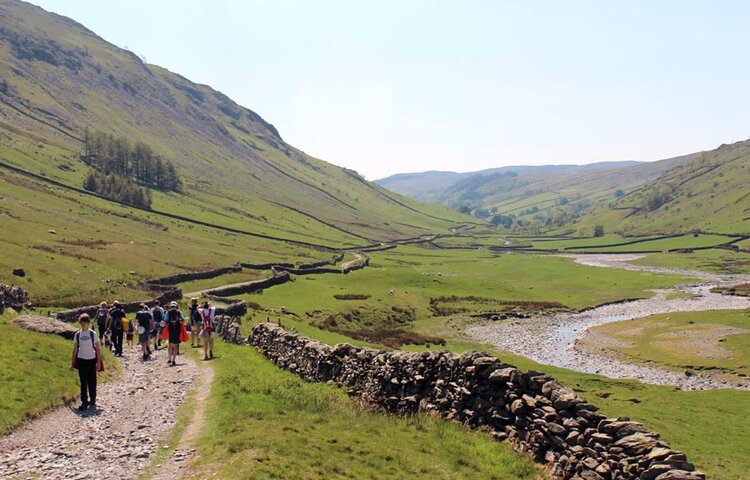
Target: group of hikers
<point x="153" y="324"/>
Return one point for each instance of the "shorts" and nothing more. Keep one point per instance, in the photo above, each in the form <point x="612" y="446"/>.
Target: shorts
<point x="142" y="337"/>
<point x="195" y="328"/>
<point x="129" y="336"/>
<point x="204" y="334"/>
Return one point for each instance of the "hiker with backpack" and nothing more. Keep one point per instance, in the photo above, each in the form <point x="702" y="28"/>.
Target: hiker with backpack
<point x="115" y="326"/>
<point x="174" y="332"/>
<point x="87" y="359"/>
<point x="145" y="321"/>
<point x="195" y="323"/>
<point x="101" y="320"/>
<point x="208" y="329"/>
<point x="157" y="313"/>
<point x="129" y="328"/>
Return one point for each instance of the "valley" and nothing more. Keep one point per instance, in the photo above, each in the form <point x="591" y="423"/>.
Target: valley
<point x="523" y="322"/>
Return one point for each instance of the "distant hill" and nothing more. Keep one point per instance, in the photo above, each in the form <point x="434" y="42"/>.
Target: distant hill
<point x="710" y="191"/>
<point x="430" y="186"/>
<point x="706" y="191"/>
<point x="537" y="198"/>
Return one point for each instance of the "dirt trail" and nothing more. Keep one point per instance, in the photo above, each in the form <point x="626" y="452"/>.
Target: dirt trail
<point x="178" y="463"/>
<point x="359" y="258"/>
<point x="136" y="412"/>
<point x="552" y="339"/>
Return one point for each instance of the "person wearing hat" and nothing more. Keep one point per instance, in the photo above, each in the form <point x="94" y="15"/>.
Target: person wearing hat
<point x="87" y="360"/>
<point x="195" y="323"/>
<point x="144" y="320"/>
<point x="115" y="325"/>
<point x="175" y="327"/>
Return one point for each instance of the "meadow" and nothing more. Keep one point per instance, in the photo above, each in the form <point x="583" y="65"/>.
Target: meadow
<point x="717" y="341"/>
<point x="716" y="261"/>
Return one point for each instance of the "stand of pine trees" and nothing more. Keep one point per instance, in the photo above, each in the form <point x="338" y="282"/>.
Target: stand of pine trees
<point x="117" y="187"/>
<point x="112" y="155"/>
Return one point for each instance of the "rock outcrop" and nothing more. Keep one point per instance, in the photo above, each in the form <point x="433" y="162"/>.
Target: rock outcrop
<point x="536" y="413"/>
<point x="13" y="297"/>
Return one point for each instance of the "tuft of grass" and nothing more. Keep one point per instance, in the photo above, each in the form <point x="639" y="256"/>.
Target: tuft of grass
<point x="267" y="423"/>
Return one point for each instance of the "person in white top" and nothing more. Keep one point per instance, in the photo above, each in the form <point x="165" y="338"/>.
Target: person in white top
<point x="87" y="360"/>
<point x="208" y="329"/>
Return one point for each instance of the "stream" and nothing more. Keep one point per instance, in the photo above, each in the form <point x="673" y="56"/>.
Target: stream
<point x="551" y="340"/>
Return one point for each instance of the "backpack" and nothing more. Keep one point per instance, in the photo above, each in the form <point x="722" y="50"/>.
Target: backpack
<point x="158" y="314"/>
<point x="117" y="322"/>
<point x="195" y="317"/>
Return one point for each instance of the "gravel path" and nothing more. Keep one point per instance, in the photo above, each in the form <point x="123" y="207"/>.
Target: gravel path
<point x="552" y="339"/>
<point x="117" y="441"/>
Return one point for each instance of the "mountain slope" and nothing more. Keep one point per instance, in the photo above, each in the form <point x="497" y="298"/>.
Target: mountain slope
<point x="244" y="186"/>
<point x="710" y="192"/>
<point x="434" y="186"/>
<point x="60" y="78"/>
<point x="538" y="198"/>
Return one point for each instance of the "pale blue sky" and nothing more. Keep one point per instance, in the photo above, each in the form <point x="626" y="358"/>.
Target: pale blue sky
<point x="392" y="86"/>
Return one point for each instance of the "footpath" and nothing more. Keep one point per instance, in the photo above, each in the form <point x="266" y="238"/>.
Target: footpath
<point x="136" y="413"/>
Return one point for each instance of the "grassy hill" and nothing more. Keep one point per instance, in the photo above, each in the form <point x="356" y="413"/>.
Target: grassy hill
<point x="261" y="197"/>
<point x="709" y="192"/>
<point x="702" y="191"/>
<point x="545" y="197"/>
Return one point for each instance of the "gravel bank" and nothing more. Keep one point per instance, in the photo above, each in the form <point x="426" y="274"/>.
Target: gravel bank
<point x="552" y="340"/>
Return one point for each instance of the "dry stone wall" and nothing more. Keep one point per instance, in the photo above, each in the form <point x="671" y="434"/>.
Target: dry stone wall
<point x="173" y="294"/>
<point x="533" y="411"/>
<point x="13" y="297"/>
<point x="167" y="282"/>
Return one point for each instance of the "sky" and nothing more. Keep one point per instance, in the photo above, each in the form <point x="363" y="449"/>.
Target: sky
<point x="389" y="86"/>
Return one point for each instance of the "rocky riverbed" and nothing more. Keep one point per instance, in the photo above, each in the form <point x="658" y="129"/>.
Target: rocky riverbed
<point x="117" y="441"/>
<point x="552" y="340"/>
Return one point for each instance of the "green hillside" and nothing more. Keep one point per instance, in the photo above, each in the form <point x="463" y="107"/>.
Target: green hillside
<point x="710" y="192"/>
<point x="246" y="193"/>
<point x="532" y="199"/>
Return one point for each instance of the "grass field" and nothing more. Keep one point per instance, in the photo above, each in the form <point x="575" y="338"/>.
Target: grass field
<point x="415" y="275"/>
<point x="35" y="374"/>
<point x="266" y="423"/>
<point x="718" y="341"/>
<point x="231" y="278"/>
<point x="649" y="243"/>
<point x="716" y="261"/>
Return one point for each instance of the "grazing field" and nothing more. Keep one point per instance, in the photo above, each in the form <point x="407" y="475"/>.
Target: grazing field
<point x="408" y="277"/>
<point x="238" y="277"/>
<point x="266" y="423"/>
<point x="617" y="243"/>
<point x="35" y="375"/>
<point x="715" y="340"/>
<point x="716" y="261"/>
